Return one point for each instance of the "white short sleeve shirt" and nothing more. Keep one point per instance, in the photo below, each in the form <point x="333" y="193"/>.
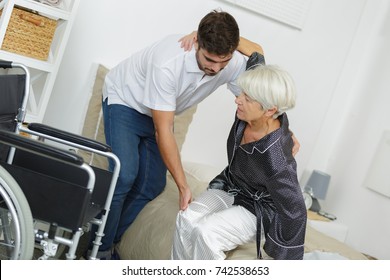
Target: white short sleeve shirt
<point x="164" y="77"/>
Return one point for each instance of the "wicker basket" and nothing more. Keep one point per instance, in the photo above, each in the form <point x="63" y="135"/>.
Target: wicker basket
<point x="29" y="34"/>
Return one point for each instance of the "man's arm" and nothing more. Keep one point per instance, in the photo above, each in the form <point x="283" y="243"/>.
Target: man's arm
<point x="163" y="122"/>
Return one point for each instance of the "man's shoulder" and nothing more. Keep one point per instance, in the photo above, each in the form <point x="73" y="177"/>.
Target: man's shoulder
<point x="169" y="41"/>
<point x="167" y="51"/>
<point x="173" y="37"/>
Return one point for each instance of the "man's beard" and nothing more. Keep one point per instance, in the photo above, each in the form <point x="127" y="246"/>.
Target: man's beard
<point x="208" y="72"/>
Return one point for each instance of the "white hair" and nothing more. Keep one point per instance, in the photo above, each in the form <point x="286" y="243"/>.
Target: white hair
<point x="269" y="85"/>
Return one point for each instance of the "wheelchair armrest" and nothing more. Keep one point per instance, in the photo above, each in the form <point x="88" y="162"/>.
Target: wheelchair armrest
<point x="67" y="136"/>
<point x="20" y="142"/>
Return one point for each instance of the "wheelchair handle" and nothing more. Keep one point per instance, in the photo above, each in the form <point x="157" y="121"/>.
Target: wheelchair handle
<point x="9" y="64"/>
<point x="29" y="145"/>
<point x="67" y="136"/>
<point x="5" y="64"/>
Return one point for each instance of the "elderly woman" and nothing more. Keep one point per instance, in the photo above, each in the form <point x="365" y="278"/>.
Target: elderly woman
<point x="258" y="194"/>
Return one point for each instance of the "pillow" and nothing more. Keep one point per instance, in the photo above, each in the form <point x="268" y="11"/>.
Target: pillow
<point x="93" y="126"/>
<point x="182" y="123"/>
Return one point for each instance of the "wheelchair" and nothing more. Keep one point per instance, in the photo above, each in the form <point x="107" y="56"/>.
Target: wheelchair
<point x="49" y="196"/>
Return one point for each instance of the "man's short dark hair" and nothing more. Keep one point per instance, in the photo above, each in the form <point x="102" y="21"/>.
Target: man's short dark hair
<point x="218" y="33"/>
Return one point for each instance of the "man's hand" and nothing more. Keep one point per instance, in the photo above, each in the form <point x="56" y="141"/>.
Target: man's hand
<point x="296" y="146"/>
<point x="185" y="198"/>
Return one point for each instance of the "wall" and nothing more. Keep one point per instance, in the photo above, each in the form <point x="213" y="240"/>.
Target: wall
<point x="351" y="132"/>
<point x="323" y="58"/>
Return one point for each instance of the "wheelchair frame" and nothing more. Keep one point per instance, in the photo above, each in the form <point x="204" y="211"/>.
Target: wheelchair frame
<point x="91" y="196"/>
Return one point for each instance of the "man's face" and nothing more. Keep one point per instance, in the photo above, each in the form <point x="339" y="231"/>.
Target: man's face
<point x="210" y="63"/>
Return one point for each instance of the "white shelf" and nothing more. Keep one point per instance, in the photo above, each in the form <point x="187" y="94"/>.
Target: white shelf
<point x="45" y="10"/>
<point x="43" y="73"/>
<point x="28" y="61"/>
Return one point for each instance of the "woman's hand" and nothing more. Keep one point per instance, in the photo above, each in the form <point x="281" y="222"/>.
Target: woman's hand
<point x="188" y="41"/>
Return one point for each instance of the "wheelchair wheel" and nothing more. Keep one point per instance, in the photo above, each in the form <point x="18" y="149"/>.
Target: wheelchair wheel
<point x="16" y="223"/>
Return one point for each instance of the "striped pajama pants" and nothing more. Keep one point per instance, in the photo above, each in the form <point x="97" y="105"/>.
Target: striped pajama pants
<point x="211" y="226"/>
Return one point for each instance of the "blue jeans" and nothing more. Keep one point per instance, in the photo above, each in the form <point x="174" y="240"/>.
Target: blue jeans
<point x="142" y="176"/>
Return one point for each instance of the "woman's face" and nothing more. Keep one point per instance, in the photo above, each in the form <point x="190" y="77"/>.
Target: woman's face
<point x="248" y="109"/>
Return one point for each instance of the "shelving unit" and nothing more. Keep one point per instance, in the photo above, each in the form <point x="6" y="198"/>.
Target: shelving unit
<point x="43" y="73"/>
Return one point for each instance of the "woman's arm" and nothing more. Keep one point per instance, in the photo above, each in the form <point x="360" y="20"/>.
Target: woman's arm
<point x="245" y="46"/>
